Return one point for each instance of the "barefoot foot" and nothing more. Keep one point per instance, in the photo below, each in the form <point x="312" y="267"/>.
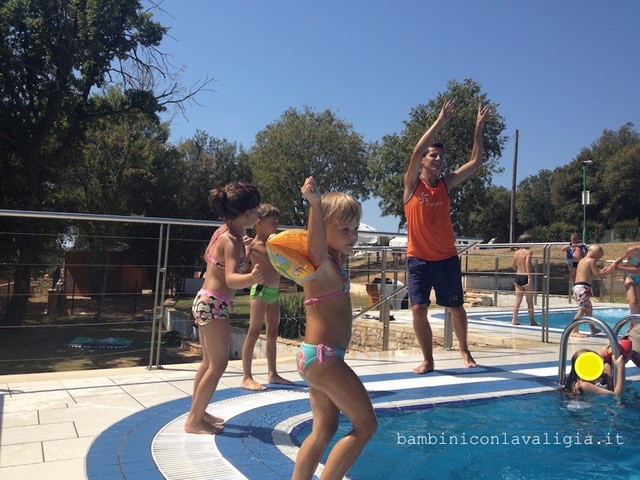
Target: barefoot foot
<point x="534" y="323"/>
<point x="212" y="419"/>
<point x="467" y="359"/>
<point x="424" y="367"/>
<point x="279" y="380"/>
<point x="251" y="384"/>
<point x="202" y="428"/>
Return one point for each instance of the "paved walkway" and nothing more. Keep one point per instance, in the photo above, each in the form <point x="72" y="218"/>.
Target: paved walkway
<point x="126" y="423"/>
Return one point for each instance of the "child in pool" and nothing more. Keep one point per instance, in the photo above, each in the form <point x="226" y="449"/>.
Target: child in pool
<point x="333" y="387"/>
<point x="226" y="257"/>
<point x="576" y="386"/>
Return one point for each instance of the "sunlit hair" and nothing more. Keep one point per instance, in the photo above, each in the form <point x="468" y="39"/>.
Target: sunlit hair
<point x="339" y="207"/>
<point x="267" y="210"/>
<point x="595" y="249"/>
<point x="234" y="199"/>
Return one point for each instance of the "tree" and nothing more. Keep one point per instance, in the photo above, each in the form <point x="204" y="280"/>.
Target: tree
<point x="532" y="200"/>
<point x="491" y="217"/>
<point x="203" y="163"/>
<point x="114" y="172"/>
<point x="302" y="144"/>
<point x="609" y="179"/>
<point x="208" y="163"/>
<point x="620" y="178"/>
<point x="54" y="55"/>
<point x="392" y="156"/>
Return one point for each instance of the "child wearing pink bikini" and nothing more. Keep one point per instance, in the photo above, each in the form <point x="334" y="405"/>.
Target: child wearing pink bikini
<point x="332" y="232"/>
<point x="237" y="204"/>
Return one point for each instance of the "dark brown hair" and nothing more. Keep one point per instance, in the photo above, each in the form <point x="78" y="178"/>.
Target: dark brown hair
<point x="234" y="199"/>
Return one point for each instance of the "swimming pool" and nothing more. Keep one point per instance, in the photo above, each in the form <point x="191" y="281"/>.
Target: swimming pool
<point x="532" y="436"/>
<point x="557" y="318"/>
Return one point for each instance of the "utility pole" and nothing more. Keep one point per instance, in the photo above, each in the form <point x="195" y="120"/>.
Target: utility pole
<point x="512" y="222"/>
<point x="585" y="198"/>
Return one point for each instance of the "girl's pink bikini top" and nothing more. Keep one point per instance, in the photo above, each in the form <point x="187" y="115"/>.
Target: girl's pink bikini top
<point x="244" y="261"/>
<point x="345" y="287"/>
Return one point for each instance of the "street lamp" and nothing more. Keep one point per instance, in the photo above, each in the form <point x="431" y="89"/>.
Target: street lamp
<point x="585" y="198"/>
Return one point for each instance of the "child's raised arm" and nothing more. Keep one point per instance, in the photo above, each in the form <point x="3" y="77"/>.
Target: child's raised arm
<point x="316" y="231"/>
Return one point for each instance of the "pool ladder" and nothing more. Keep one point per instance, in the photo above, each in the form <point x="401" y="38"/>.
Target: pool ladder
<point x="612" y="335"/>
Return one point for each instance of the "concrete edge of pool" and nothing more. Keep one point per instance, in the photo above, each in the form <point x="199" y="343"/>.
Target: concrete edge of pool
<point x="257" y="440"/>
<point x="100" y="424"/>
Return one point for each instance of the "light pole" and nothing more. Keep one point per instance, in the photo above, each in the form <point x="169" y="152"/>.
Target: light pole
<point x="585" y="198"/>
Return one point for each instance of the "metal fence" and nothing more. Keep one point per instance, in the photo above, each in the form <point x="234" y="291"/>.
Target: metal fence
<point x="140" y="288"/>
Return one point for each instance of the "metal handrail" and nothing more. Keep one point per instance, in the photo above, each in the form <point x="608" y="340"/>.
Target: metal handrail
<point x="564" y="340"/>
<point x="634" y="317"/>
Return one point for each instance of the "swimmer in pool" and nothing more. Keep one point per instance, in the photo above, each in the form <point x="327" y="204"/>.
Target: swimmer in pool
<point x="576" y="386"/>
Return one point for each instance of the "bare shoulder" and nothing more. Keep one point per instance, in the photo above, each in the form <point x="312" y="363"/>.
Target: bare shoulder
<point x="258" y="248"/>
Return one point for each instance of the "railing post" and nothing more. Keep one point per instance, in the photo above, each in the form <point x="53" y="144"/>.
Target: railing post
<point x="384" y="308"/>
<point x="497" y="282"/>
<point x="447" y="338"/>
<point x="546" y="272"/>
<point x="159" y="295"/>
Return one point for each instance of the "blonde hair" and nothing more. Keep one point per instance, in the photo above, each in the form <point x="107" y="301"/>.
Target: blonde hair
<point x="340" y="207"/>
<point x="594" y="249"/>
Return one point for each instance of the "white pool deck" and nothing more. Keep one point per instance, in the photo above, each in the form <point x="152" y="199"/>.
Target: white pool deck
<point x="127" y="423"/>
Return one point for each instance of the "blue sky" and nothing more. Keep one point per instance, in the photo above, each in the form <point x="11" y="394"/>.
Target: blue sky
<point x="561" y="71"/>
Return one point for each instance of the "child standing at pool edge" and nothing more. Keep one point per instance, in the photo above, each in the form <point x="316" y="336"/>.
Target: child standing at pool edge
<point x="226" y="257"/>
<point x="522" y="283"/>
<point x="332" y="232"/>
<point x="587" y="270"/>
<point x="265" y="302"/>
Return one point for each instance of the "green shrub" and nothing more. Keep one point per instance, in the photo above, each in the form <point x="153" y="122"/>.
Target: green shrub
<point x="626" y="230"/>
<point x="595" y="231"/>
<point x="292" y="316"/>
<point x="556" y="232"/>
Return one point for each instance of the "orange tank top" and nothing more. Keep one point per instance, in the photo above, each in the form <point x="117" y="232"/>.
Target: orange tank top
<point x="430" y="233"/>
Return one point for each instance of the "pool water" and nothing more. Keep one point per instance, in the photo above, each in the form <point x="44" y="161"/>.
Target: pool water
<point x="532" y="436"/>
<point x="560" y="318"/>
